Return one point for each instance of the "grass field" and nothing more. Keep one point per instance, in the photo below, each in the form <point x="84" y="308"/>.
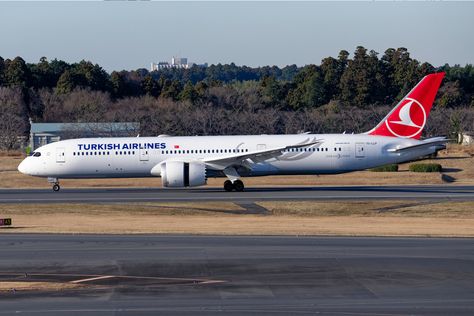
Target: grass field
<point x="374" y="218"/>
<point x="349" y="218"/>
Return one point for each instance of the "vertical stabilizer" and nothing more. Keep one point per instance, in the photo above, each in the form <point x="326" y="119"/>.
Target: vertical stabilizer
<point x="409" y="116"/>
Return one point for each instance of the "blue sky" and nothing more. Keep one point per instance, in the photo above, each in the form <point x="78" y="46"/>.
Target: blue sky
<point x="130" y="35"/>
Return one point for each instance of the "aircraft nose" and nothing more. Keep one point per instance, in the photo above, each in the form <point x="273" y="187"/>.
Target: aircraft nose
<point x="23" y="166"/>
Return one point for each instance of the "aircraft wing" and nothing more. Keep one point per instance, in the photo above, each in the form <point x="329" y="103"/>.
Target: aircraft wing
<point x="425" y="143"/>
<point x="256" y="156"/>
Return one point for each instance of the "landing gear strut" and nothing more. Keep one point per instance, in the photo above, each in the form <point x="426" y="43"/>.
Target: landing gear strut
<point x="237" y="185"/>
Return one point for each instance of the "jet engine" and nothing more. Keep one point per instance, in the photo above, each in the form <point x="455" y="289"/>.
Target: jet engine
<point x="176" y="174"/>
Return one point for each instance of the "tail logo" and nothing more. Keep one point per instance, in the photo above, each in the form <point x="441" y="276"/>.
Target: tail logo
<point x="408" y="121"/>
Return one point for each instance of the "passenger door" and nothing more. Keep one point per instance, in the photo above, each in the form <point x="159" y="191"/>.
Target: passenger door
<point x="60" y="155"/>
<point x="144" y="155"/>
<point x="359" y="150"/>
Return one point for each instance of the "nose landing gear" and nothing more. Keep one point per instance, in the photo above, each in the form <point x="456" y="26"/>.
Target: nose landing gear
<point x="55" y="183"/>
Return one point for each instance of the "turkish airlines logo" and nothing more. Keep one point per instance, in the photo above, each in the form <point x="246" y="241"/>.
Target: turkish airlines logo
<point x="411" y="119"/>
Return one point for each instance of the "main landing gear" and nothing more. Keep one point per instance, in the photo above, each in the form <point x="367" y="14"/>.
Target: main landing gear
<point x="237" y="185"/>
<point x="55" y="183"/>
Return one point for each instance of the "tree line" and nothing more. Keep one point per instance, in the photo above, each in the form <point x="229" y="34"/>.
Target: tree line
<point x="340" y="94"/>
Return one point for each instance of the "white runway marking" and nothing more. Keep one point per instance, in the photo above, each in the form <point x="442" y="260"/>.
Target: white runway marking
<point x="93" y="279"/>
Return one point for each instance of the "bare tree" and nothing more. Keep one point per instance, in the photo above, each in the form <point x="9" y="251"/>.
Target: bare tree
<point x="14" y="124"/>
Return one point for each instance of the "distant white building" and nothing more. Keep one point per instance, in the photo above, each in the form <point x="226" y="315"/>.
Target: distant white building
<point x="466" y="138"/>
<point x="176" y="62"/>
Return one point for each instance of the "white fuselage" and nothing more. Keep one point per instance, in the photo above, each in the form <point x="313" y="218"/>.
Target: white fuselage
<point x="136" y="157"/>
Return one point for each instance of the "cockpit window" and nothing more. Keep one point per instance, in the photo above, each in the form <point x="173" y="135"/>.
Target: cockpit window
<point x="36" y="154"/>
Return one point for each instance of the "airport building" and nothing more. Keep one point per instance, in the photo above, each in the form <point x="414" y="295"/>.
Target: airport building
<point x="45" y="133"/>
<point x="176" y="62"/>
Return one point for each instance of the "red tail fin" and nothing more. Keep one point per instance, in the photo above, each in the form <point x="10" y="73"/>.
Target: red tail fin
<point x="408" y="118"/>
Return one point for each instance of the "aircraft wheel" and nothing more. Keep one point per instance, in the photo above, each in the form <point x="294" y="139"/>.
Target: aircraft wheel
<point x="56" y="187"/>
<point x="228" y="186"/>
<point x="238" y="185"/>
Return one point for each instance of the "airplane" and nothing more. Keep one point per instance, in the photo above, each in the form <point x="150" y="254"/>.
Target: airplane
<point x="188" y="161"/>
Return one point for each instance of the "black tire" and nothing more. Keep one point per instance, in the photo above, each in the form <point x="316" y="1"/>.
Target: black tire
<point x="56" y="187"/>
<point x="238" y="185"/>
<point x="228" y="186"/>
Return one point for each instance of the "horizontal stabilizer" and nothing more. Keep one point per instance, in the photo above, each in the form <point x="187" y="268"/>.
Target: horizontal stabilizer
<point x="425" y="143"/>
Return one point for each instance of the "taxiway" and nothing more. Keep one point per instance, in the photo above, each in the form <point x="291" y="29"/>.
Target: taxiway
<point x="202" y="275"/>
<point x="101" y="195"/>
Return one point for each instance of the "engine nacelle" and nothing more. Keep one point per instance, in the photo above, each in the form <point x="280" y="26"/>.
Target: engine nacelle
<point x="178" y="174"/>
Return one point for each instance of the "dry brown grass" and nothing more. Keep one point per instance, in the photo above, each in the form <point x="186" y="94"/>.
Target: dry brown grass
<point x="287" y="218"/>
<point x="372" y="208"/>
<point x="127" y="209"/>
<point x="36" y="286"/>
<point x="381" y="218"/>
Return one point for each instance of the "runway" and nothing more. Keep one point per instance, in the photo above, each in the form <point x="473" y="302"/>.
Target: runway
<point x="101" y="195"/>
<point x="202" y="275"/>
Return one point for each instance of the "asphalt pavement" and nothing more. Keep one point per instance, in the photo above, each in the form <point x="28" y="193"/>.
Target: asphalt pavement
<point x="260" y="275"/>
<point x="102" y="195"/>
